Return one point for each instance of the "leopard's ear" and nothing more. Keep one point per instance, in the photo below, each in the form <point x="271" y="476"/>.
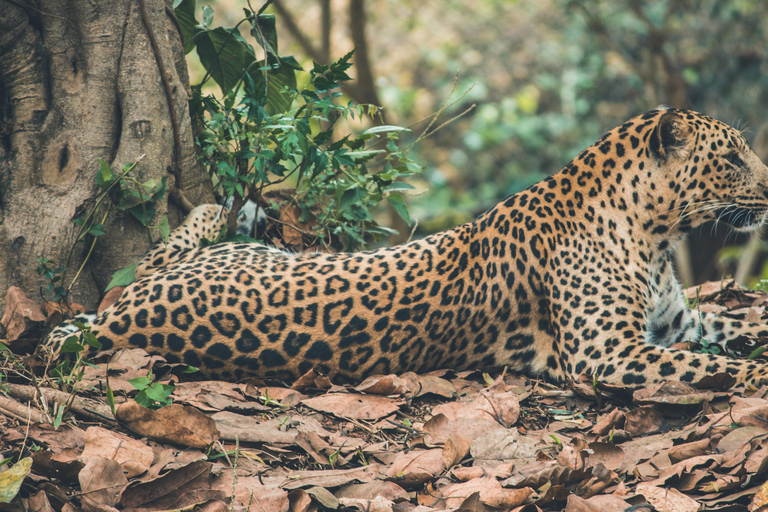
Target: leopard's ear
<point x="671" y="137"/>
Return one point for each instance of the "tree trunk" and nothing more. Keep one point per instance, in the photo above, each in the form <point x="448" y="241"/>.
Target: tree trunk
<point x="79" y="81"/>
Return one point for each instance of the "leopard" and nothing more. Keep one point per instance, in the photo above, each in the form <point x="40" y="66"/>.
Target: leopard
<point x="571" y="278"/>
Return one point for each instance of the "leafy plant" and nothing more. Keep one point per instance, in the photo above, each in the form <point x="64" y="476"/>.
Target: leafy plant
<point x="54" y="277"/>
<point x="152" y="395"/>
<point x="75" y="349"/>
<point x="69" y="372"/>
<point x="126" y="194"/>
<point x="266" y="131"/>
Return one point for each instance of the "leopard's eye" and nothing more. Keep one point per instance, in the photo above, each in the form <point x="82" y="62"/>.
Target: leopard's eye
<point x="734" y="159"/>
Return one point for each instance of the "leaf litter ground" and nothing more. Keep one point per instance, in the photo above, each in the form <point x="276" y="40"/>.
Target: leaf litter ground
<point x="441" y="441"/>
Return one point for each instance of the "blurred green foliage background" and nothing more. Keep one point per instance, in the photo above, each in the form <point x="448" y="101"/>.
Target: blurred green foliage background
<point x="547" y="77"/>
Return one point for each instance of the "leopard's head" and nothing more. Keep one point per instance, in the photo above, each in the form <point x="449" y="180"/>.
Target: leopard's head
<point x="710" y="172"/>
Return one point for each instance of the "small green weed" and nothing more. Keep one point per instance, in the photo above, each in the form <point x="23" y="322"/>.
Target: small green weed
<point x="152" y="395"/>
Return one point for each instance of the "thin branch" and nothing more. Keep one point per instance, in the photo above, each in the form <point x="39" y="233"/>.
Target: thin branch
<point x="325" y="31"/>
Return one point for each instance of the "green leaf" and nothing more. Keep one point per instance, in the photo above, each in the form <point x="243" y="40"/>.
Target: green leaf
<point x="90" y="339"/>
<point x="164" y="228"/>
<point x="105" y="176"/>
<point x="350" y="196"/>
<point x="265" y="33"/>
<point x="159" y="392"/>
<point x="123" y="277"/>
<point x="224" y="54"/>
<point x="72" y="345"/>
<point x="97" y="229"/>
<point x="185" y="13"/>
<point x="398" y="203"/>
<point x="365" y="155"/>
<point x="398" y="186"/>
<point x="140" y="383"/>
<point x="111" y="399"/>
<point x="384" y="129"/>
<point x="281" y="80"/>
<point x="59" y="417"/>
<point x="143" y="212"/>
<point x="757" y="352"/>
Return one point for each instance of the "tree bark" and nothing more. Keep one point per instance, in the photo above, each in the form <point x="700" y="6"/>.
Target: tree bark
<point x="79" y="81"/>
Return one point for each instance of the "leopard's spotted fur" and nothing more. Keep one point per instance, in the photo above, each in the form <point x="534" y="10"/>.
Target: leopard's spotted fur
<point x="570" y="276"/>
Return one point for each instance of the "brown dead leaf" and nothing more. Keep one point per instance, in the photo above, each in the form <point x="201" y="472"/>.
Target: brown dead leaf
<point x="490" y="493"/>
<point x="420" y="385"/>
<point x="179" y="488"/>
<point x="318" y="449"/>
<point x="614" y="419"/>
<point x="101" y="482"/>
<point x="354" y="406"/>
<point x="642" y="421"/>
<point x="688" y="450"/>
<point x="292" y="227"/>
<point x="717" y="381"/>
<point x="604" y="503"/>
<point x="56" y="312"/>
<point x="377" y="488"/>
<point x="416" y="467"/>
<point x="39" y="502"/>
<point x="455" y="449"/>
<point x="285" y="396"/>
<point x="312" y="379"/>
<point x="300" y="500"/>
<point x="671" y="393"/>
<point x="439" y="428"/>
<point x="233" y="426"/>
<point x="503" y="445"/>
<point x="21" y="313"/>
<point x="464" y="474"/>
<point x="331" y="478"/>
<point x="63" y="467"/>
<point x="607" y="454"/>
<point x="667" y="500"/>
<point x="707" y="291"/>
<point x="760" y="499"/>
<point x="539" y="473"/>
<point x="377" y="504"/>
<point x="571" y="457"/>
<point x="382" y="385"/>
<point x="174" y="423"/>
<point x="251" y="490"/>
<point x="133" y="456"/>
<point x="503" y="407"/>
<point x="723" y="483"/>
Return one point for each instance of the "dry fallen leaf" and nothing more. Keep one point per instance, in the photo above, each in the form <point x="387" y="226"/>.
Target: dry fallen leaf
<point x="489" y="491"/>
<point x="21" y="314"/>
<point x="643" y="420"/>
<point x="174" y="423"/>
<point x="382" y="385"/>
<point x="11" y="479"/>
<point x="179" y="488"/>
<point x="133" y="456"/>
<point x="667" y="500"/>
<point x="377" y="504"/>
<point x="331" y="478"/>
<point x="353" y="405"/>
<point x="101" y="482"/>
<point x="604" y="503"/>
<point x="416" y="467"/>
